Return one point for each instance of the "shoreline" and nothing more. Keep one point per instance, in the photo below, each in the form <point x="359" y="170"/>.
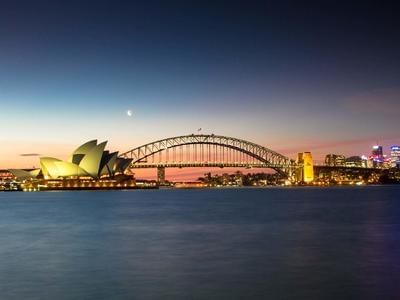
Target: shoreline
<point x="69" y="189"/>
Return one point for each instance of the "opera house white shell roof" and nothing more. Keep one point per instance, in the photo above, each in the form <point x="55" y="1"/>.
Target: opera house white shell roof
<point x="88" y="160"/>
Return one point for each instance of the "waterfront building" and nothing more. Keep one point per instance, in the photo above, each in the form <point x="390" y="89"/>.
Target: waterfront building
<point x="5" y="175"/>
<point x="335" y="160"/>
<point x="24" y="174"/>
<point x="355" y="161"/>
<point x="306" y="173"/>
<point x="395" y="156"/>
<point x="89" y="160"/>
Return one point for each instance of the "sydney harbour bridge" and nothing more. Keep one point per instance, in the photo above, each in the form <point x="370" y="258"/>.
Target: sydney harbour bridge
<point x="201" y="150"/>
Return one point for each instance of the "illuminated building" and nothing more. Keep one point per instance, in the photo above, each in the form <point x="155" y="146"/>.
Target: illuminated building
<point x="395" y="156"/>
<point x="307" y="171"/>
<point x="377" y="151"/>
<point x="355" y="161"/>
<point x="89" y="160"/>
<point x="24" y="174"/>
<point x="377" y="156"/>
<point x="5" y="175"/>
<point x="335" y="160"/>
<point x="364" y="161"/>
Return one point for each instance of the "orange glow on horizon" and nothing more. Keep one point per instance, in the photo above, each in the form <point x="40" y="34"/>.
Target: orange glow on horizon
<point x="192" y="174"/>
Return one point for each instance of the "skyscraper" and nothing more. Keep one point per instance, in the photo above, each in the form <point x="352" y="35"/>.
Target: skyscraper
<point x="395" y="156"/>
<point x="377" y="155"/>
<point x="377" y="151"/>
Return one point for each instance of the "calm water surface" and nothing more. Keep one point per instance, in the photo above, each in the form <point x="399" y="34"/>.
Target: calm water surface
<point x="296" y="243"/>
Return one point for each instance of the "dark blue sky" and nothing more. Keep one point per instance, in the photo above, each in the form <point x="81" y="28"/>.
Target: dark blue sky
<point x="287" y="75"/>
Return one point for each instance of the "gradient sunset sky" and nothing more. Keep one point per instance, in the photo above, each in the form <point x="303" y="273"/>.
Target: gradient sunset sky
<point x="321" y="77"/>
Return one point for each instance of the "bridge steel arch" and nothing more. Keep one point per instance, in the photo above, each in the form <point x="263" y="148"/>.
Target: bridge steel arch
<point x="266" y="158"/>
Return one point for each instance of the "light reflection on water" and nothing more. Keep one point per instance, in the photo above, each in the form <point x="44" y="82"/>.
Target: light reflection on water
<point x="297" y="243"/>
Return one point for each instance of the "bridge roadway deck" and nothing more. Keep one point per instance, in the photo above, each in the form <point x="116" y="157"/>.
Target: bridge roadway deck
<point x="240" y="165"/>
<point x="205" y="164"/>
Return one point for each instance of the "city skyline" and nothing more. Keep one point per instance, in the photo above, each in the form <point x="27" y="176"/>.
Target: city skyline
<point x="289" y="77"/>
<point x="377" y="154"/>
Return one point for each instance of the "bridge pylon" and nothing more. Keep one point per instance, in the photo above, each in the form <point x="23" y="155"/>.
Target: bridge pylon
<point x="306" y="171"/>
<point x="161" y="175"/>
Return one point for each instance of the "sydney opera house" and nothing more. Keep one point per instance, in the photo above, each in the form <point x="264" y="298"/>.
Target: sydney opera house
<point x="89" y="160"/>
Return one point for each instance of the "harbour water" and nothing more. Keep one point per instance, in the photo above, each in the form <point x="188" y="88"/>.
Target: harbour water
<point x="271" y="243"/>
